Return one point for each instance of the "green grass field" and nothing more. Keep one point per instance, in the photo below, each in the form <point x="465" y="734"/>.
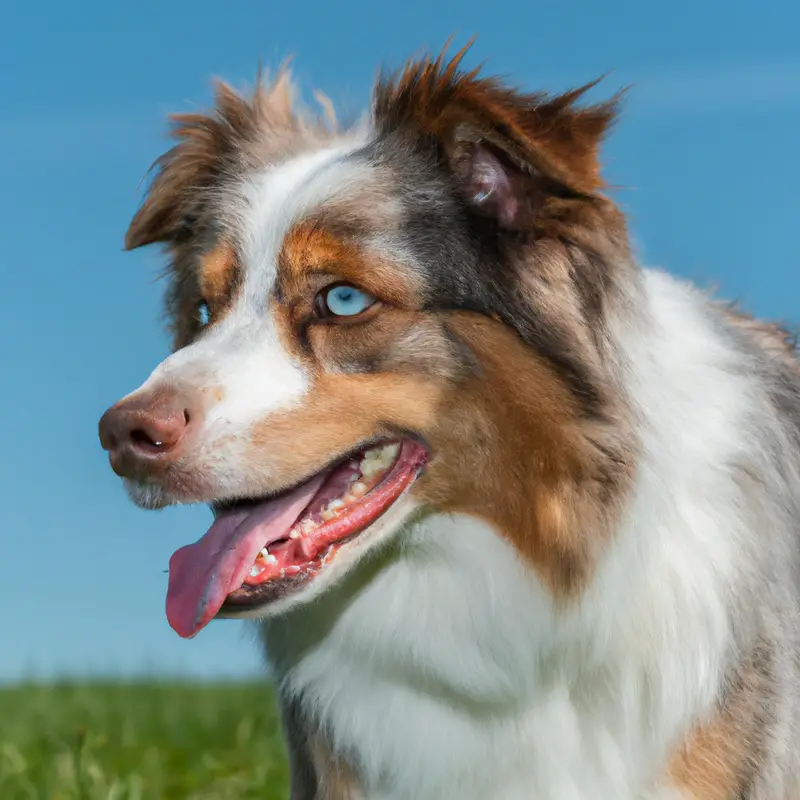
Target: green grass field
<point x="140" y="741"/>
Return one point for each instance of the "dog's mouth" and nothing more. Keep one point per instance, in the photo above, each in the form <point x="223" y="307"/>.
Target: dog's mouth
<point x="257" y="550"/>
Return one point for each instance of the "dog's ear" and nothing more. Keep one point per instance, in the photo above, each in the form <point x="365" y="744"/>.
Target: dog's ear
<point x="507" y="151"/>
<point x="185" y="173"/>
<point x="240" y="131"/>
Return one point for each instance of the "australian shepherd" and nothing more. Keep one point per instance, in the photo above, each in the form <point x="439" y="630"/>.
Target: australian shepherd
<point x="518" y="518"/>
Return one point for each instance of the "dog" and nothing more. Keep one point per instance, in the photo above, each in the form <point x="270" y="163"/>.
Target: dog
<point x="517" y="517"/>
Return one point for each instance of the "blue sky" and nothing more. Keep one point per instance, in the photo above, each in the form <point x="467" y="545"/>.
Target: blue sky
<point x="706" y="151"/>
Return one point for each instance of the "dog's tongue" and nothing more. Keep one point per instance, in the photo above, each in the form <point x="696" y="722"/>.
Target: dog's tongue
<point x="203" y="574"/>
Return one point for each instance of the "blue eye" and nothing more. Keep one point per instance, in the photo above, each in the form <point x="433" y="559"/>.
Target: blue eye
<point x="203" y="314"/>
<point x="346" y="301"/>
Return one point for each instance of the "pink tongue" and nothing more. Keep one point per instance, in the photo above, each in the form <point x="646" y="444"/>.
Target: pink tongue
<point x="203" y="574"/>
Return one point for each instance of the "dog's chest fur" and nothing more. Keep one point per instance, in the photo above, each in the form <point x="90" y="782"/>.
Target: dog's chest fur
<point x="432" y="682"/>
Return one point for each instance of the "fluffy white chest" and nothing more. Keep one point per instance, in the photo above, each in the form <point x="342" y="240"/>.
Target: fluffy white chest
<point x="444" y="675"/>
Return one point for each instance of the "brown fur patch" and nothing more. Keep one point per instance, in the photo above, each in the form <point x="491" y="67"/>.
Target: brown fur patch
<point x="721" y="755"/>
<point x="313" y="255"/>
<point x="217" y="275"/>
<point x="335" y="778"/>
<point x="513" y="449"/>
<point x="341" y="411"/>
<point x="550" y="134"/>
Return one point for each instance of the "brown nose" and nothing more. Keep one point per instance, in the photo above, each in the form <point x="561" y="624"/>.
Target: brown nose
<point x="143" y="434"/>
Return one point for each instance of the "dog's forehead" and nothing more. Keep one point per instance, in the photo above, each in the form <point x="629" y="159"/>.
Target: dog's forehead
<point x="271" y="203"/>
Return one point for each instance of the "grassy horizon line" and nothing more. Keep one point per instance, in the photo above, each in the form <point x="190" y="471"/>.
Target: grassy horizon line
<point x="141" y="738"/>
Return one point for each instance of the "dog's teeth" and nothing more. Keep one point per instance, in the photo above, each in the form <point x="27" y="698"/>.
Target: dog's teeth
<point x="307" y="525"/>
<point x="294" y="533"/>
<point x="255" y="571"/>
<point x="379" y="459"/>
<point x="331" y="510"/>
<point x="391" y="450"/>
<point x="370" y="467"/>
<point x="358" y="489"/>
<point x="265" y="555"/>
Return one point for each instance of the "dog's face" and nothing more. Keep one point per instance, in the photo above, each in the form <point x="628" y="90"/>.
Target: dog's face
<point x="404" y="317"/>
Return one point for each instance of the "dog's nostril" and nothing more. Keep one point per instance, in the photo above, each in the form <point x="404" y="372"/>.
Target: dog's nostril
<point x="151" y="433"/>
<point x="143" y="439"/>
<point x="186" y="416"/>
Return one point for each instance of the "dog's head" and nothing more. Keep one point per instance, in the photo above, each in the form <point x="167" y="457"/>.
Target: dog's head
<point x="401" y="317"/>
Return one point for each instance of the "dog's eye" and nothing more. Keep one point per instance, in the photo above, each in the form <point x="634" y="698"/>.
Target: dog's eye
<point x="343" y="300"/>
<point x="203" y="313"/>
